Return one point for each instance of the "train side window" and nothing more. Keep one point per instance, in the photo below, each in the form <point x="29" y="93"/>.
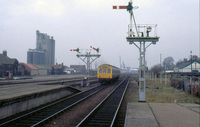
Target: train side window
<point x="109" y="71"/>
<point x="104" y="70"/>
<point x="100" y="70"/>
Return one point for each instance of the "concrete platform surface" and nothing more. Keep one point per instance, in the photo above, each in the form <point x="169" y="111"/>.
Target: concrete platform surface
<point x="139" y="115"/>
<point x="13" y="91"/>
<point x="175" y="115"/>
<point x="194" y="107"/>
<point x="162" y="114"/>
<point x="16" y="90"/>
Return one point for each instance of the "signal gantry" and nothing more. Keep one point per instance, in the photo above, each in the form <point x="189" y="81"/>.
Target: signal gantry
<point x="140" y="34"/>
<point x="87" y="57"/>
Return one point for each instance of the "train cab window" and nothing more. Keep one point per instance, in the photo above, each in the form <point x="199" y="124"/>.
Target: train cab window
<point x="100" y="70"/>
<point x="109" y="71"/>
<point x="104" y="70"/>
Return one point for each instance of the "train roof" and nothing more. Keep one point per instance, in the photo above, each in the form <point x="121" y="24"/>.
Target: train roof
<point x="108" y="65"/>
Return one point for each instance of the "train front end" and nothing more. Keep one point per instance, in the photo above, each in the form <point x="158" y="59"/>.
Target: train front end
<point x="107" y="73"/>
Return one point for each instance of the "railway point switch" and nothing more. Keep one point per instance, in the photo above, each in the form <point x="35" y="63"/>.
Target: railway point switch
<point x="142" y="36"/>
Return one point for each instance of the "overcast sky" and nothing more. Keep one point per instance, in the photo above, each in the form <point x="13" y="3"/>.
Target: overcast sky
<point x="85" y="23"/>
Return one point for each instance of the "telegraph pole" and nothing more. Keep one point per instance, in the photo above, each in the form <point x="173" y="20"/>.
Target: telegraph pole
<point x="87" y="57"/>
<point x="140" y="35"/>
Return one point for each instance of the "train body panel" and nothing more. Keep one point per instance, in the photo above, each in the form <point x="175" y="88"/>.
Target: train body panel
<point x="107" y="73"/>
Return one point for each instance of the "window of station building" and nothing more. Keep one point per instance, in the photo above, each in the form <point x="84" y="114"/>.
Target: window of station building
<point x="104" y="70"/>
<point x="109" y="71"/>
<point x="100" y="70"/>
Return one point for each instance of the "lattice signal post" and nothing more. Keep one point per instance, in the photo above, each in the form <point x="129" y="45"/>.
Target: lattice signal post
<point x="140" y="35"/>
<point x="87" y="57"/>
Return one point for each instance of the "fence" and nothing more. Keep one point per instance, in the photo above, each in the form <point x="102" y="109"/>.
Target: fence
<point x="190" y="84"/>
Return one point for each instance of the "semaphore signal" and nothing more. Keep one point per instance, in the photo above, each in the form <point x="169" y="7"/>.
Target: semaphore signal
<point x="75" y="50"/>
<point x="142" y="36"/>
<point x="119" y="7"/>
<point x="97" y="49"/>
<point x="87" y="57"/>
<point x="130" y="9"/>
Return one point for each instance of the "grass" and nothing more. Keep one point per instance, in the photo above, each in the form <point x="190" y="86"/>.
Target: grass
<point x="161" y="93"/>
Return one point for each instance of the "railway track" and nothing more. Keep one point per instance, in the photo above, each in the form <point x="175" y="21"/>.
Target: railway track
<point x="104" y="114"/>
<point x="41" y="115"/>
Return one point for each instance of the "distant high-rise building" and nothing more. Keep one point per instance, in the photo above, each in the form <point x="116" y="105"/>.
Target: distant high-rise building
<point x="44" y="52"/>
<point x="35" y="56"/>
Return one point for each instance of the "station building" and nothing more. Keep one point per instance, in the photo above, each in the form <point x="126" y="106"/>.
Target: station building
<point x="8" y="66"/>
<point x="35" y="70"/>
<point x="189" y="66"/>
<point x="58" y="69"/>
<point x="79" y="69"/>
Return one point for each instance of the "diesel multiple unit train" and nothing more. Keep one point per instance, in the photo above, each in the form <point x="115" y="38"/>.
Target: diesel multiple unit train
<point x="107" y="73"/>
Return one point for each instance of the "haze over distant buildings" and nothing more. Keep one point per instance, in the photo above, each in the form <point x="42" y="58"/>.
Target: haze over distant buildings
<point x="44" y="54"/>
<point x="85" y="23"/>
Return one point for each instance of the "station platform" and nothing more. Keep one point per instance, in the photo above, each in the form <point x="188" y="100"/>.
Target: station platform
<point x="21" y="89"/>
<point x="14" y="91"/>
<point x="16" y="98"/>
<point x="162" y="115"/>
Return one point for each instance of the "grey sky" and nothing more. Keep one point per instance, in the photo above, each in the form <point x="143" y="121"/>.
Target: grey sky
<point x="85" y="23"/>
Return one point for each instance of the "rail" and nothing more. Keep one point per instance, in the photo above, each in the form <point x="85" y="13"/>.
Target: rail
<point x="39" y="116"/>
<point x="105" y="112"/>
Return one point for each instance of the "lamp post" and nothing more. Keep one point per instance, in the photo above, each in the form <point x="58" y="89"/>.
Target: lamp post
<point x="191" y="59"/>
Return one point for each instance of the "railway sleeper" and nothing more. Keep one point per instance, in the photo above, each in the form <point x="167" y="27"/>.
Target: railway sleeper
<point x="98" y="124"/>
<point x="100" y="121"/>
<point x="101" y="117"/>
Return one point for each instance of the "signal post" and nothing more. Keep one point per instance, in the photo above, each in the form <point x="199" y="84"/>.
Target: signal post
<point x="87" y="57"/>
<point x="142" y="36"/>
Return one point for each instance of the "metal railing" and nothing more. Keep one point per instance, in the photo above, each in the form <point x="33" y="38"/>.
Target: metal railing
<point x="144" y="30"/>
